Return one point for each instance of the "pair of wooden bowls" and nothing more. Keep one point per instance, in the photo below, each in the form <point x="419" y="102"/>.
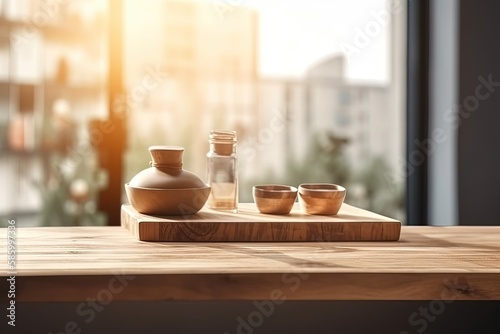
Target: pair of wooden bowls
<point x="314" y="198"/>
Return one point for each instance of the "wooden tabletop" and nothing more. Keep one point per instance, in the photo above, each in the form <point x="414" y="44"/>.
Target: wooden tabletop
<point x="427" y="263"/>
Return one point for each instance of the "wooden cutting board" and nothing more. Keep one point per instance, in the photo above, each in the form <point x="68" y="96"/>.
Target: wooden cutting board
<point x="351" y="224"/>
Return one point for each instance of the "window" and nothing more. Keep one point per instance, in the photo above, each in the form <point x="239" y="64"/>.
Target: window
<point x="307" y="85"/>
<point x="313" y="89"/>
<point x="52" y="84"/>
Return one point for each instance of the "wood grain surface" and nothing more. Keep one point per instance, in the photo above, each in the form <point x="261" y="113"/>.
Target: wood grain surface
<point x="75" y="263"/>
<point x="351" y="224"/>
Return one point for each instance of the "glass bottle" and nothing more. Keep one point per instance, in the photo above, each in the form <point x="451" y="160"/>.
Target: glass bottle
<point x="222" y="170"/>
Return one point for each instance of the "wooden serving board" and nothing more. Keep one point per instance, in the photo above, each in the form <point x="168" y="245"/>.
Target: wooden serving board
<point x="350" y="224"/>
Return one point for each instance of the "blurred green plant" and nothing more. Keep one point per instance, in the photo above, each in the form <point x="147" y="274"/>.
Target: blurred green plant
<point x="326" y="162"/>
<point x="69" y="195"/>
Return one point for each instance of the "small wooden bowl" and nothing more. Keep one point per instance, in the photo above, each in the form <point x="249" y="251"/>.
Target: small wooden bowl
<point x="274" y="199"/>
<point x="321" y="198"/>
<point x="167" y="202"/>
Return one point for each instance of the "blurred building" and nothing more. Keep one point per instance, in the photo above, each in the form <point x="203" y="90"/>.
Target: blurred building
<point x="210" y="68"/>
<point x="202" y="46"/>
<point x="323" y="103"/>
<point x="357" y="113"/>
<point x="49" y="52"/>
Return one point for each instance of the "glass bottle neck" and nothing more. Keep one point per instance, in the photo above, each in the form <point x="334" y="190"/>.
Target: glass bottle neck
<point x="223" y="148"/>
<point x="222" y="142"/>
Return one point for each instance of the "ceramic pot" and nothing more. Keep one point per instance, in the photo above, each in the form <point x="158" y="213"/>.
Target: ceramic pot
<point x="166" y="188"/>
<point x="166" y="171"/>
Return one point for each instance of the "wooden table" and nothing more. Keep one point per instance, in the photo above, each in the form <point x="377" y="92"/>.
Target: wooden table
<point x="73" y="263"/>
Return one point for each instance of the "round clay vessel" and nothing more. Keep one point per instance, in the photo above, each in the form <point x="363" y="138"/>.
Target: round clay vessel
<point x="167" y="202"/>
<point x="166" y="188"/>
<point x="166" y="171"/>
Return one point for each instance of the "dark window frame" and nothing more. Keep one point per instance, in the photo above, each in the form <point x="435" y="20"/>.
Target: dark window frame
<point x="417" y="122"/>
